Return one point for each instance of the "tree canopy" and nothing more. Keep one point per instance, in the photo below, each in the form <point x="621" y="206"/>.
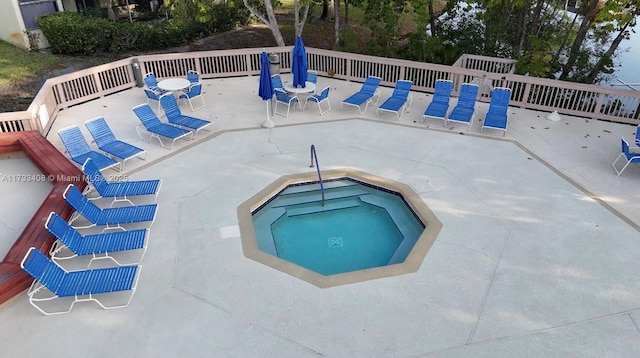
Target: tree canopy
<point x="547" y="38"/>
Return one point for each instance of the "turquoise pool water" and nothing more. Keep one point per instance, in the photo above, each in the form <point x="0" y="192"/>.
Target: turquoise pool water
<point x="360" y="226"/>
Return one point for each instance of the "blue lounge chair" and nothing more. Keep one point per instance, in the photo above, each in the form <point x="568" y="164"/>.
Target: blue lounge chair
<point x="628" y="157"/>
<point x="175" y="116"/>
<point x="283" y="98"/>
<point x="112" y="218"/>
<point x="156" y="129"/>
<point x="497" y="116"/>
<point x="397" y="103"/>
<point x="637" y="141"/>
<point x="70" y="243"/>
<point x="193" y="76"/>
<point x="321" y="98"/>
<point x="79" y="149"/>
<point x="107" y="142"/>
<point x="365" y="95"/>
<point x="440" y="102"/>
<point x="465" y="109"/>
<point x="53" y="284"/>
<point x="195" y="92"/>
<point x="119" y="191"/>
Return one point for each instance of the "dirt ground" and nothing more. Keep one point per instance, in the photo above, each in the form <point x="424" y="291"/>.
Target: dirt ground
<point x="19" y="98"/>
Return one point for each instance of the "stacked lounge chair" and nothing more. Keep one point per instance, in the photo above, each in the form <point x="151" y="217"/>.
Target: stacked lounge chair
<point x="119" y="191"/>
<point x="54" y="284"/>
<point x="55" y="289"/>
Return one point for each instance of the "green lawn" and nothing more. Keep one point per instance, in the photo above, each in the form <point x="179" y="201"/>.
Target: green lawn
<point x="17" y="65"/>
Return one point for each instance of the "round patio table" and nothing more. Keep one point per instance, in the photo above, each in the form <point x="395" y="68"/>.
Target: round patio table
<point x="174" y="85"/>
<point x="308" y="88"/>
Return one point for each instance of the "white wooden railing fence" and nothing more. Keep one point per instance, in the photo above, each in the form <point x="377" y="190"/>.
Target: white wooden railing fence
<point x="589" y="101"/>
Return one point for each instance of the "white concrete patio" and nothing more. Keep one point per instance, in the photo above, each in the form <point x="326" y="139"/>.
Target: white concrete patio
<point x="539" y="254"/>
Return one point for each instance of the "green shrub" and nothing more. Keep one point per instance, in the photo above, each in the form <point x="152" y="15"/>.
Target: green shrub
<point x="72" y="33"/>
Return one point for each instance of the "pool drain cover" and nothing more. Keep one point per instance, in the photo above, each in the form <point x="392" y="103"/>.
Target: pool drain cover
<point x="335" y="242"/>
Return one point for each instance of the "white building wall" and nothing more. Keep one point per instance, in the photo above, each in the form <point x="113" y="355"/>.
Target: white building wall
<point x="12" y="29"/>
<point x="11" y="24"/>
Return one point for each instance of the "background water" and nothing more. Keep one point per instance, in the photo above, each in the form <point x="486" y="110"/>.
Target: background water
<point x="629" y="72"/>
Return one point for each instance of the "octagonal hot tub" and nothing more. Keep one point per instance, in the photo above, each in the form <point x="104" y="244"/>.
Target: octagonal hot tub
<point x="365" y="227"/>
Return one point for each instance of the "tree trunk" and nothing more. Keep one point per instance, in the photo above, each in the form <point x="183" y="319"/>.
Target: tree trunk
<point x="535" y="18"/>
<point x="622" y="34"/>
<point x="346" y="13"/>
<point x="432" y="20"/>
<point x="521" y="30"/>
<point x="587" y="21"/>
<point x="271" y="22"/>
<point x="325" y="9"/>
<point x="565" y="39"/>
<point x="336" y="18"/>
<point x="330" y="9"/>
<point x="299" y="25"/>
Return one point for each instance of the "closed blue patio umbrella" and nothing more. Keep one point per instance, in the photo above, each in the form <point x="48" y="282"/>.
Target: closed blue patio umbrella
<point x="265" y="89"/>
<point x="299" y="64"/>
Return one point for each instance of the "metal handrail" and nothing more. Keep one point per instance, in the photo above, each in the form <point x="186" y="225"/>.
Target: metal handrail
<point x="314" y="155"/>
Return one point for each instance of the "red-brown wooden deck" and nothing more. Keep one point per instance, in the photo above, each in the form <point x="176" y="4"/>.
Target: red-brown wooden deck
<point x="52" y="163"/>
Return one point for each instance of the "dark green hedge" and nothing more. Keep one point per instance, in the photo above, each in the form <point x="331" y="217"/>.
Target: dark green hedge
<point x="73" y="33"/>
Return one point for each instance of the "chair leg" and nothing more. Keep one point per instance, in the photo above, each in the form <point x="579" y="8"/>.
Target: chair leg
<point x="203" y="104"/>
<point x="328" y="107"/>
<point x="614" y="164"/>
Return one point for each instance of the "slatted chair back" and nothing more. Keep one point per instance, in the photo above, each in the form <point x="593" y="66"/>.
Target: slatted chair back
<point x="370" y="85"/>
<point x="193" y="76"/>
<point x="151" y="94"/>
<point x="633" y="157"/>
<point x="100" y="131"/>
<point x="146" y="115"/>
<point x="282" y="96"/>
<point x="324" y="94"/>
<point x="276" y="82"/>
<point x="81" y="204"/>
<point x="93" y="174"/>
<point x="402" y="89"/>
<point x="500" y="101"/>
<point x="74" y="141"/>
<point x="170" y="106"/>
<point x="323" y="97"/>
<point x="61" y="229"/>
<point x="195" y="90"/>
<point x="44" y="270"/>
<point x="442" y="91"/>
<point x="468" y="95"/>
<point x="150" y="80"/>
